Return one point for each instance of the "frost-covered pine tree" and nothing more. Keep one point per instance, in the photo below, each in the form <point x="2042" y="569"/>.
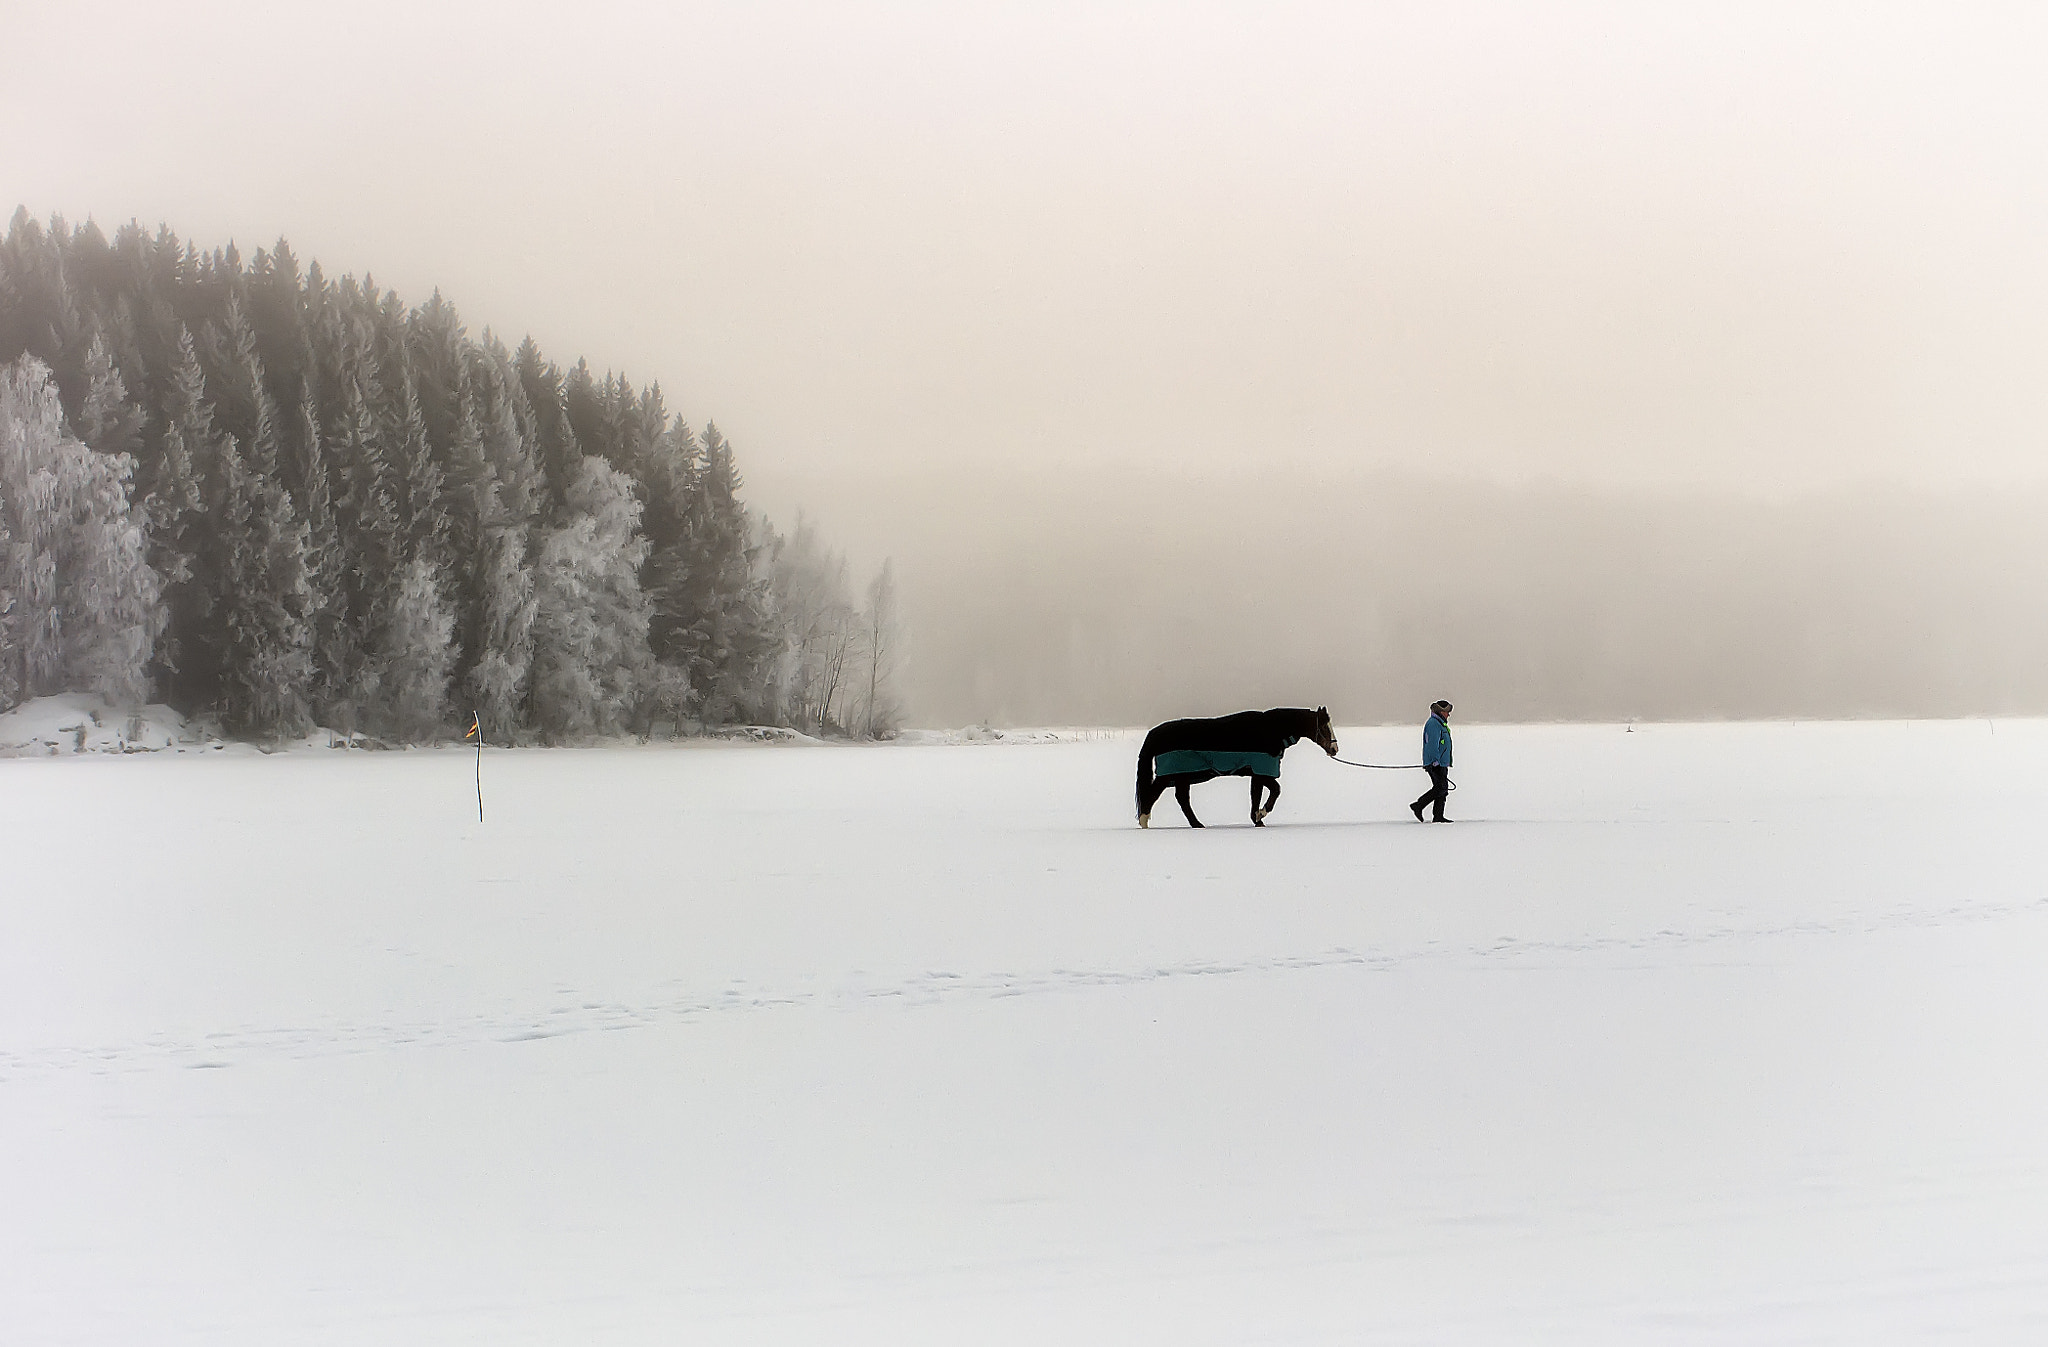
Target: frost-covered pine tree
<point x="79" y="604"/>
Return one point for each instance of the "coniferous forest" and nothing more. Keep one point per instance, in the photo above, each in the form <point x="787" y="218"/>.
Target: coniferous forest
<point x="282" y="500"/>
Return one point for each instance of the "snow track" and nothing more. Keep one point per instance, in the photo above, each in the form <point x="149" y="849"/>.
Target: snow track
<point x="249" y="1046"/>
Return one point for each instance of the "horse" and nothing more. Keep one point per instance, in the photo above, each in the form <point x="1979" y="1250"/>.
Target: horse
<point x="1189" y="752"/>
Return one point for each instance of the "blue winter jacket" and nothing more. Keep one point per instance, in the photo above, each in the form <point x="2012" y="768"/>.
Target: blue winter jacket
<point x="1436" y="743"/>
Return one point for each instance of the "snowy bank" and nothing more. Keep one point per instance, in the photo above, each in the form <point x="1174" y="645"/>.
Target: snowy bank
<point x="76" y="722"/>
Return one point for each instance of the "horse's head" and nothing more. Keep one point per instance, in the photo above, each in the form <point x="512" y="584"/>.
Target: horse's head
<point x="1325" y="736"/>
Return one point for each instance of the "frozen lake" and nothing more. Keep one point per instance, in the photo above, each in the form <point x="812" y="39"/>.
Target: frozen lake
<point x="1689" y="1034"/>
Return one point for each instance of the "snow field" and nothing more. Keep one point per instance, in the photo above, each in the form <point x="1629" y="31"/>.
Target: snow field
<point x="1686" y="1034"/>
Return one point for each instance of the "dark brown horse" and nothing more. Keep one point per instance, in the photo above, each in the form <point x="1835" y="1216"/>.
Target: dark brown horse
<point x="1189" y="752"/>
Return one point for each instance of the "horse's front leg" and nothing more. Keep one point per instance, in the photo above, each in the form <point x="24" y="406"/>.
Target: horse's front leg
<point x="1273" y="798"/>
<point x="1180" y="793"/>
<point x="1147" y="798"/>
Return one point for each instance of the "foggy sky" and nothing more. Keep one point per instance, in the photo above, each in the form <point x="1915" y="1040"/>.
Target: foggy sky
<point x="1768" y="249"/>
<point x="1749" y="244"/>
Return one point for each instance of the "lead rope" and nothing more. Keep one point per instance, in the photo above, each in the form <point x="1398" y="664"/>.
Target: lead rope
<point x="1391" y="767"/>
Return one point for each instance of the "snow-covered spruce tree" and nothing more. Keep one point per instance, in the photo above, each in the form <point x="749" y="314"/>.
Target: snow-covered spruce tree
<point x="508" y="446"/>
<point x="708" y="608"/>
<point x="367" y="515"/>
<point x="173" y="511"/>
<point x="242" y="404"/>
<point x="600" y="413"/>
<point x="79" y="604"/>
<point x="487" y="580"/>
<point x="497" y="633"/>
<point x="666" y="478"/>
<point x="422" y="513"/>
<point x="590" y="630"/>
<point x="415" y="656"/>
<point x="767" y="701"/>
<point x="400" y="611"/>
<point x="264" y="594"/>
<point x="267" y="662"/>
<point x="508" y="607"/>
<point x="325" y="610"/>
<point x="555" y="446"/>
<point x="41" y="315"/>
<point x="649" y="424"/>
<point x="276" y="297"/>
<point x="107" y="421"/>
<point x="439" y="352"/>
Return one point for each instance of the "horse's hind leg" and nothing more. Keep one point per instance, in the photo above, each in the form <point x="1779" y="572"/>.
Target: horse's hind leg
<point x="1258" y="814"/>
<point x="1180" y="793"/>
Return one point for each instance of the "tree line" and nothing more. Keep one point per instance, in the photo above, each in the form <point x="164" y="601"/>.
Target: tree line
<point x="283" y="500"/>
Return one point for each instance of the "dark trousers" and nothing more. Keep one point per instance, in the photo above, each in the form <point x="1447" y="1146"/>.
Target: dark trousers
<point x="1439" y="791"/>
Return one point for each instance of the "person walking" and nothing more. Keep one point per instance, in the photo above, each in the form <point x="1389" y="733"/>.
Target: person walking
<point x="1436" y="760"/>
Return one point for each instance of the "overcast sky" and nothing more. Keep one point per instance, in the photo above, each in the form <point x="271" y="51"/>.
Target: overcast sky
<point x="1766" y="247"/>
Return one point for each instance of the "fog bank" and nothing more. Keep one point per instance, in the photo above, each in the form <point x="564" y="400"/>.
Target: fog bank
<point x="1139" y="597"/>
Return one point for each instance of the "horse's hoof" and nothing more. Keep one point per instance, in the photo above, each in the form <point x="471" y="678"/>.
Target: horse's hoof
<point x="1144" y="820"/>
<point x="1258" y="822"/>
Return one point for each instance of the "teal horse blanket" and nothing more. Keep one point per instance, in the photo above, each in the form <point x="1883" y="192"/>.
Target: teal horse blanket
<point x="1185" y="760"/>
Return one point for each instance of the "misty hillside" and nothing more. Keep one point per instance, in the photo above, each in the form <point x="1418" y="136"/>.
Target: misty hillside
<point x="275" y="498"/>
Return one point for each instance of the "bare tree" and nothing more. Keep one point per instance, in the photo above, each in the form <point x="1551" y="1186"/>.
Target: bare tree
<point x="880" y="636"/>
<point x="818" y="623"/>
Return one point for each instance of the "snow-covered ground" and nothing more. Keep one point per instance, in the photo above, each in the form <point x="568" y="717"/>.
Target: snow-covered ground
<point x="1691" y="1034"/>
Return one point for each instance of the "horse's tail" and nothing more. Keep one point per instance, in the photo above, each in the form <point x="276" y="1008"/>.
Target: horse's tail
<point x="1145" y="791"/>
